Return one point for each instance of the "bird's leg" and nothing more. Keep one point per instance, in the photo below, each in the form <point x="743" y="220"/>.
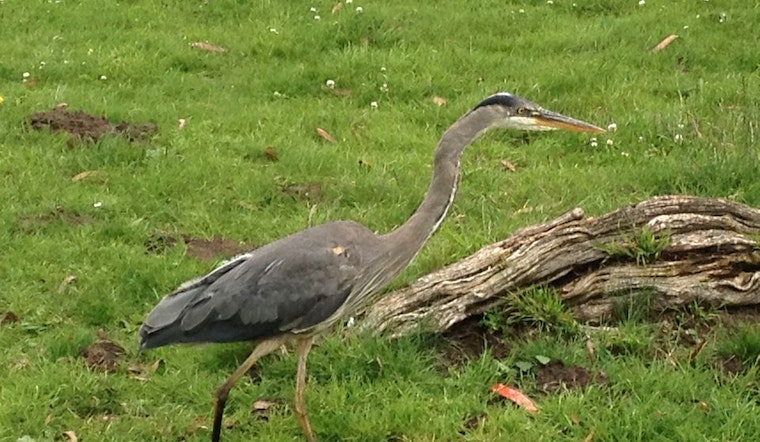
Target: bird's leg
<point x="262" y="349"/>
<point x="304" y="346"/>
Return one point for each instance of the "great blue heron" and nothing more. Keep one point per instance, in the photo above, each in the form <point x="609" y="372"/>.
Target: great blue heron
<point x="298" y="286"/>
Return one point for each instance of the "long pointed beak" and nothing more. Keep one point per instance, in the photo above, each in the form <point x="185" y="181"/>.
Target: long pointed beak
<point x="553" y="120"/>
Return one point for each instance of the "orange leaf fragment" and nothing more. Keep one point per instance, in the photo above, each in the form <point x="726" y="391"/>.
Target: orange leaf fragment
<point x="516" y="396"/>
<point x="325" y="135"/>
<point x="338" y="6"/>
<point x="70" y="436"/>
<point x="440" y="101"/>
<point x="664" y="43"/>
<point x="208" y="47"/>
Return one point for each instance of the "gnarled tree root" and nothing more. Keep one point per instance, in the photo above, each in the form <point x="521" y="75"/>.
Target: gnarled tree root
<point x="674" y="249"/>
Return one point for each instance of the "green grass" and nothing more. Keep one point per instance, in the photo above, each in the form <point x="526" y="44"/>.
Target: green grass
<point x="588" y="59"/>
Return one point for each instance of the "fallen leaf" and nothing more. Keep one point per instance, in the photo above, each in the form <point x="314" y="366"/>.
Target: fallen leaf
<point x="271" y="153"/>
<point x="87" y="174"/>
<point x="508" y="165"/>
<point x="515" y="396"/>
<point x="8" y="317"/>
<point x="141" y="371"/>
<point x="590" y="436"/>
<point x="65" y="283"/>
<point x="32" y="82"/>
<point x="590" y="350"/>
<point x="365" y="165"/>
<point x="703" y="406"/>
<point x="208" y="47"/>
<point x="440" y="101"/>
<point x="338" y="6"/>
<point x="574" y="418"/>
<point x="20" y="364"/>
<point x="181" y="123"/>
<point x="697" y="350"/>
<point x="342" y="92"/>
<point x="263" y="407"/>
<point x="664" y="43"/>
<point x="70" y="436"/>
<point x="325" y="135"/>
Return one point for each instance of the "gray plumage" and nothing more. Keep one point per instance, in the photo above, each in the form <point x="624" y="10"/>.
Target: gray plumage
<point x="300" y="285"/>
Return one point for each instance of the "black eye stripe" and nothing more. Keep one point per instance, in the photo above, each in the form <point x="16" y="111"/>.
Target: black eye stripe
<point x="504" y="99"/>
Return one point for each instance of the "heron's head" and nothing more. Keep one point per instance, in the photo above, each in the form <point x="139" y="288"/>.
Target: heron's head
<point x="518" y="113"/>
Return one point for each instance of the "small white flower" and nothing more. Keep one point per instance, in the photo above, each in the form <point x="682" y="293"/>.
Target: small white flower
<point x="316" y="17"/>
<point x="65" y="62"/>
<point x="593" y="142"/>
<point x="382" y="68"/>
<point x="549" y="2"/>
<point x="277" y="94"/>
<point x="384" y="87"/>
<point x="351" y="322"/>
<point x="642" y="2"/>
<point x="103" y="77"/>
<point x="686" y="27"/>
<point x="610" y="142"/>
<point x="330" y="84"/>
<point x="678" y="138"/>
<point x="373" y="105"/>
<point x="612" y="127"/>
<point x="25" y="75"/>
<point x="273" y="30"/>
<point x="97" y="205"/>
<point x="641" y="139"/>
<point x="359" y="9"/>
<point x="521" y="11"/>
<point x="313" y="9"/>
<point x="625" y="154"/>
<point x="348" y="2"/>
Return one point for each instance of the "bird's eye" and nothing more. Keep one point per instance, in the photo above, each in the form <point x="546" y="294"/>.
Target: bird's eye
<point x="522" y="111"/>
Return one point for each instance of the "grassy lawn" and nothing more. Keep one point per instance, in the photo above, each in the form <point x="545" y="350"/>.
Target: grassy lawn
<point x="687" y="120"/>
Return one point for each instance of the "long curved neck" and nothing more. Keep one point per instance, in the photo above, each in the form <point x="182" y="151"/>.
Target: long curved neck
<point x="411" y="236"/>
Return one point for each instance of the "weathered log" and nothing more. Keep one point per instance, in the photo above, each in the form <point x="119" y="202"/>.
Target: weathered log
<point x="675" y="250"/>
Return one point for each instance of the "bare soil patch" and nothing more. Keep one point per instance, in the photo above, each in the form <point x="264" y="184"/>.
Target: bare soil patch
<point x="199" y="248"/>
<point x="86" y="127"/>
<point x="33" y="223"/>
<point x="555" y="377"/>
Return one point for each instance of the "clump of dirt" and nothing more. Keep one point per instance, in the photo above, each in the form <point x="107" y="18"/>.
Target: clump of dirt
<point x="32" y="223"/>
<point x="198" y="248"/>
<point x="556" y="376"/>
<point x="469" y="339"/>
<point x="8" y="317"/>
<point x="86" y="127"/>
<point x="103" y="355"/>
<point x="473" y="422"/>
<point x="731" y="365"/>
<point x="308" y="191"/>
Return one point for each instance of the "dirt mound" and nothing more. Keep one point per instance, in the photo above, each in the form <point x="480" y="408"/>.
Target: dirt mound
<point x="198" y="248"/>
<point x="556" y="376"/>
<point x="83" y="126"/>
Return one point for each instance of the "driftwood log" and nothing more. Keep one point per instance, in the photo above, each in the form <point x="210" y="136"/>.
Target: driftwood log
<point x="676" y="250"/>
